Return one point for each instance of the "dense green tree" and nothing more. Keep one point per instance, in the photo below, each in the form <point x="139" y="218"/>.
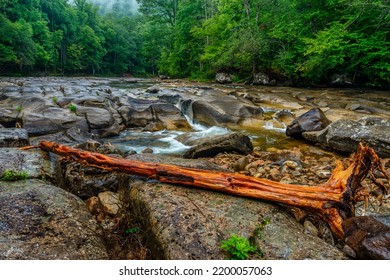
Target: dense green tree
<point x="303" y="41"/>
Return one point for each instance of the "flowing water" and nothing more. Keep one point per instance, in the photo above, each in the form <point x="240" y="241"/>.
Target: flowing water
<point x="338" y="103"/>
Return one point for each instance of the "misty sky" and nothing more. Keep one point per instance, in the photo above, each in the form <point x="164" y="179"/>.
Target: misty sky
<point x="107" y="4"/>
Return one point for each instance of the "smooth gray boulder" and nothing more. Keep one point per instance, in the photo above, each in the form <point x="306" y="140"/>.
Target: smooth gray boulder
<point x="345" y="135"/>
<point x="222" y="111"/>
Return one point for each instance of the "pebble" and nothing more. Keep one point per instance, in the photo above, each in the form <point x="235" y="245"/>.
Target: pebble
<point x="110" y="202"/>
<point x="147" y="151"/>
<point x="291" y="164"/>
<point x="324" y="174"/>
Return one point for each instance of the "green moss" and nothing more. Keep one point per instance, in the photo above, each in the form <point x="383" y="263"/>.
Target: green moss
<point x="11" y="175"/>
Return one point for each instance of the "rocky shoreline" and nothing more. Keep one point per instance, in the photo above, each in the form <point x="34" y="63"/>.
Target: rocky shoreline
<point x="61" y="204"/>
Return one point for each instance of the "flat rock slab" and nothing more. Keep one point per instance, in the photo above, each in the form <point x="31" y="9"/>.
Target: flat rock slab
<point x="43" y="222"/>
<point x="190" y="224"/>
<point x="13" y="137"/>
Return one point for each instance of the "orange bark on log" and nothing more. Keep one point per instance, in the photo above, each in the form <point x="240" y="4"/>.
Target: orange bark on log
<point x="334" y="200"/>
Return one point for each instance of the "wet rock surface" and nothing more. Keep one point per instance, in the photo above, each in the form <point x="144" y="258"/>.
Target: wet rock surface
<point x="227" y="143"/>
<point x="312" y="120"/>
<point x="41" y="222"/>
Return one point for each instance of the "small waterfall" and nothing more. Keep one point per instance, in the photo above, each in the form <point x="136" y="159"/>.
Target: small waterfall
<point x="167" y="141"/>
<point x="270" y="125"/>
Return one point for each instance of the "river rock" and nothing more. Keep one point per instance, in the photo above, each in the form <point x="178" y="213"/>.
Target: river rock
<point x="190" y="224"/>
<point x="312" y="120"/>
<point x="153" y="89"/>
<point x="345" y="135"/>
<point x="110" y="202"/>
<point x="71" y="137"/>
<point x="36" y="163"/>
<point x="341" y="80"/>
<point x="52" y="120"/>
<point x="222" y="111"/>
<point x="13" y="137"/>
<point x="235" y="142"/>
<point x="41" y="222"/>
<point x="261" y="79"/>
<point x="223" y="78"/>
<point x="140" y="113"/>
<point x="86" y="181"/>
<point x="368" y="237"/>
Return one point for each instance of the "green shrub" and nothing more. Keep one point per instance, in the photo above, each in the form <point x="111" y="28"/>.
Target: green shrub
<point x="237" y="247"/>
<point x="72" y="107"/>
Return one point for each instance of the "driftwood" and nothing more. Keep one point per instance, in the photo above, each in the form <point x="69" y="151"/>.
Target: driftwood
<point x="334" y="201"/>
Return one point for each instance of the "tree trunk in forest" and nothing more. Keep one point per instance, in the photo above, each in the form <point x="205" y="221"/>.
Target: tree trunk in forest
<point x="334" y="201"/>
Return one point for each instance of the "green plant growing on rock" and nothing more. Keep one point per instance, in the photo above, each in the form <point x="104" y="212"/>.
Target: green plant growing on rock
<point x="132" y="230"/>
<point x="72" y="107"/>
<point x="55" y="99"/>
<point x="238" y="247"/>
<point x="11" y="175"/>
<point x="19" y="108"/>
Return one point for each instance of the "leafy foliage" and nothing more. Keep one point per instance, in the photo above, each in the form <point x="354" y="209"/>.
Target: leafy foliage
<point x="304" y="41"/>
<point x="237" y="247"/>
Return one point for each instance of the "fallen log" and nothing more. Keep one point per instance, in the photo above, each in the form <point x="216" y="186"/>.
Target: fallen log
<point x="334" y="201"/>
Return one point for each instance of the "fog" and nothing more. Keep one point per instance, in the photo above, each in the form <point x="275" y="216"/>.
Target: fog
<point x="107" y="5"/>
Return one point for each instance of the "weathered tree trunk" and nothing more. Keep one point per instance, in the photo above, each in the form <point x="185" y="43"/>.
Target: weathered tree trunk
<point x="334" y="200"/>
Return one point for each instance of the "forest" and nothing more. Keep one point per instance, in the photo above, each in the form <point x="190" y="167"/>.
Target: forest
<point x="305" y="42"/>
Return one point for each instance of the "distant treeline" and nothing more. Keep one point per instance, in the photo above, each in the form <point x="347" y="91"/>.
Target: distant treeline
<point x="305" y="42"/>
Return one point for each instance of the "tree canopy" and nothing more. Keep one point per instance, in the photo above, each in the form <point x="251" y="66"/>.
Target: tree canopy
<point x="306" y="42"/>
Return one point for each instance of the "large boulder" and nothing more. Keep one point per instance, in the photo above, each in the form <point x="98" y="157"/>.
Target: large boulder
<point x="235" y="142"/>
<point x="345" y="135"/>
<point x="52" y="120"/>
<point x="223" y="78"/>
<point x="368" y="237"/>
<point x="13" y="137"/>
<point x="221" y="111"/>
<point x="190" y="224"/>
<point x="313" y="120"/>
<point x="261" y="79"/>
<point x="41" y="222"/>
<point x="141" y="113"/>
